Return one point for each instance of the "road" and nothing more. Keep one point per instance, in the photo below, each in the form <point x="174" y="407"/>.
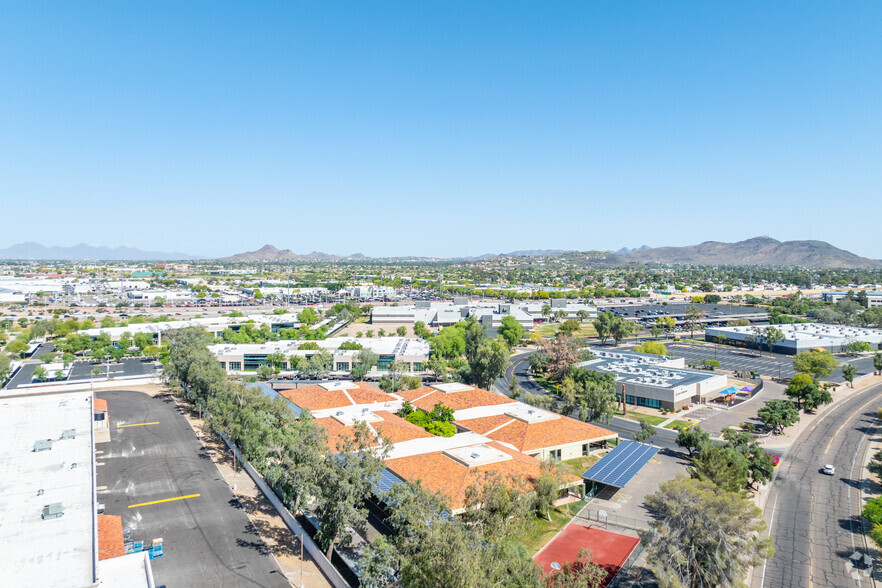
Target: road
<point x="154" y="456"/>
<point x="815" y="519"/>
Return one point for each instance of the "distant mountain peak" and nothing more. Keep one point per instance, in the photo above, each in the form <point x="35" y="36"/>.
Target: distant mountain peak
<point x="32" y="251"/>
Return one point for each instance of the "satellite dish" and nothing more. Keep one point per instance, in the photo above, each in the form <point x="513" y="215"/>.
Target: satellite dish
<point x="555" y="566"/>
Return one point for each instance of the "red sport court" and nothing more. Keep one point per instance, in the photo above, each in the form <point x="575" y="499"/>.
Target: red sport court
<point x="609" y="550"/>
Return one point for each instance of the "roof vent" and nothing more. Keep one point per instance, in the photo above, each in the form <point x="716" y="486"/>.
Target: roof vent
<point x="53" y="511"/>
<point x="69" y="434"/>
<point x="43" y="445"/>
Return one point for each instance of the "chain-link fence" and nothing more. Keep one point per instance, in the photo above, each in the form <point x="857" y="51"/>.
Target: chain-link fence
<point x="616" y="520"/>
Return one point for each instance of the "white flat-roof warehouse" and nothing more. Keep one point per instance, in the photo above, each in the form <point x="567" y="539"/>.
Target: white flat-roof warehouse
<point x="800" y="337"/>
<point x="656" y="381"/>
<point x="48" y="515"/>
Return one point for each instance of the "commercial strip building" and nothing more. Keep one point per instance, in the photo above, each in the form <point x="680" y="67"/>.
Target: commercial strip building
<point x="799" y="337"/>
<point x="873" y="298"/>
<point x="50" y="529"/>
<point x="489" y="314"/>
<point x="494" y="434"/>
<point x="656" y="381"/>
<point x="249" y="357"/>
<point x="214" y="325"/>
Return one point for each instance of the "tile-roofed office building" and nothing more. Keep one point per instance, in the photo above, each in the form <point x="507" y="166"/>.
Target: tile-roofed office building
<point x="536" y="432"/>
<point x="453" y="469"/>
<point x="381" y="423"/>
<point x="337" y="394"/>
<point x="453" y="395"/>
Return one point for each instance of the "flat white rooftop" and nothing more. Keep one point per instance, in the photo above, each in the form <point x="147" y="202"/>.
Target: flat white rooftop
<point x="37" y="551"/>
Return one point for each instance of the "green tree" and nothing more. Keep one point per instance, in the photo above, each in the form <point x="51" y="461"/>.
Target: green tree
<point x="645" y="433"/>
<point x="276" y="361"/>
<point x="877" y="363"/>
<point x="348" y="480"/>
<point x="693" y="319"/>
<point x="653" y="347"/>
<point x="723" y="465"/>
<point x="488" y="362"/>
<point x="816" y="363"/>
<point x="142" y="340"/>
<point x="778" y="414"/>
<point x="772" y="336"/>
<point x="692" y="438"/>
<point x="568" y="327"/>
<point x="307" y="316"/>
<point x="849" y="372"/>
<point x="704" y="537"/>
<point x="807" y="392"/>
<point x="621" y="328"/>
<point x="365" y="360"/>
<point x="5" y="367"/>
<point x="603" y="325"/>
<point x="546" y="488"/>
<point x="40" y="374"/>
<point x="420" y="330"/>
<point x="401" y="331"/>
<point x="512" y="331"/>
<point x="800" y="387"/>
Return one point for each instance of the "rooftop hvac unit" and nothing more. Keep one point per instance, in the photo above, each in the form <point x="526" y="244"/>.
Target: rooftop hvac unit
<point x="43" y="445"/>
<point x="53" y="511"/>
<point x="69" y="434"/>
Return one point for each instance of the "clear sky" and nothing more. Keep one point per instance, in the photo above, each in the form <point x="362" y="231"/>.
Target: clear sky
<point x="439" y="128"/>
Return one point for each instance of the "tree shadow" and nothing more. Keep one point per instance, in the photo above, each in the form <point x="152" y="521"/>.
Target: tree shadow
<point x="258" y="546"/>
<point x="857" y="484"/>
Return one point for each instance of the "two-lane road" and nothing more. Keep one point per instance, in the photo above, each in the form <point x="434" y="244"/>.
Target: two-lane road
<point x="815" y="519"/>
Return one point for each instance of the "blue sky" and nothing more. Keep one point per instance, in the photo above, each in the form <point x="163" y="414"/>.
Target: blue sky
<point x="439" y="128"/>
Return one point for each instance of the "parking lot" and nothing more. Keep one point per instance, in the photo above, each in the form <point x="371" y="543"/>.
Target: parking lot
<point x="773" y="365"/>
<point x="158" y="477"/>
<point x="130" y="366"/>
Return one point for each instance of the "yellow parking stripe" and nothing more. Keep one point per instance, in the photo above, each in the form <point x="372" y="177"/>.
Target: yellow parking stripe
<point x="164" y="500"/>
<point x="136" y="425"/>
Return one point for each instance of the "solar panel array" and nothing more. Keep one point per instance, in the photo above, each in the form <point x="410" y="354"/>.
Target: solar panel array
<point x="621" y="464"/>
<point x="386" y="481"/>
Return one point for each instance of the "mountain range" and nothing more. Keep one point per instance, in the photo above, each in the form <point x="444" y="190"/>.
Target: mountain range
<point x="271" y="253"/>
<point x="34" y="251"/>
<point x="756" y="251"/>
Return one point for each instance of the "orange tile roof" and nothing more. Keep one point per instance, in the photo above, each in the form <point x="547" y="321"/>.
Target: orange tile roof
<point x="110" y="537"/>
<point x="531" y="436"/>
<point x="317" y="398"/>
<point x="437" y="472"/>
<point x="426" y="398"/>
<point x="393" y="427"/>
<point x="99" y="405"/>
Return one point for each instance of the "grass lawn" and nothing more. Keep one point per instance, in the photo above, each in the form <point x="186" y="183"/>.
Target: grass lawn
<point x="679" y="423"/>
<point x="550" y="330"/>
<point x="652" y="420"/>
<point x="578" y="465"/>
<point x="542" y="381"/>
<point x="540" y="531"/>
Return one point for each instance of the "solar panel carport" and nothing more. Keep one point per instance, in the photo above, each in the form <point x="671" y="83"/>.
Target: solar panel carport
<point x="621" y="464"/>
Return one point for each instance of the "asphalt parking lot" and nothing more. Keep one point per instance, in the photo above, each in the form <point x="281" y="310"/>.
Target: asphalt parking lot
<point x="679" y="310"/>
<point x="157" y="476"/>
<point x="130" y="366"/>
<point x="774" y="365"/>
<point x="743" y="360"/>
